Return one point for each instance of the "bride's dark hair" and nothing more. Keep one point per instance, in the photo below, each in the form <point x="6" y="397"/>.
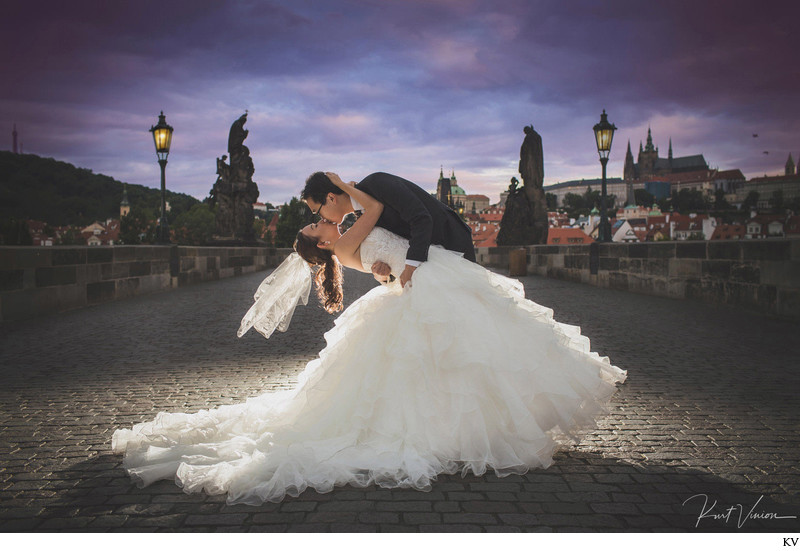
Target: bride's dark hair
<point x="328" y="278"/>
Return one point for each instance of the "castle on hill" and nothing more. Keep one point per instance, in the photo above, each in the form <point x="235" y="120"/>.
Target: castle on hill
<point x="650" y="166"/>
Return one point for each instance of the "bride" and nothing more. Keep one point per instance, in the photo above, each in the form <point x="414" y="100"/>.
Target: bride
<point x="456" y="372"/>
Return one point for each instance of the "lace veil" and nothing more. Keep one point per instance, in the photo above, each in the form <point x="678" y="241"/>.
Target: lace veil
<point x="278" y="296"/>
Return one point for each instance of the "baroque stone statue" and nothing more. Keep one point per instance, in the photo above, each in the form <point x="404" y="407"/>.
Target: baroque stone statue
<point x="234" y="192"/>
<point x="525" y="218"/>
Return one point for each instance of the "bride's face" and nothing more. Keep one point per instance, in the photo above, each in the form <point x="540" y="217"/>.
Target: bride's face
<point x="326" y="234"/>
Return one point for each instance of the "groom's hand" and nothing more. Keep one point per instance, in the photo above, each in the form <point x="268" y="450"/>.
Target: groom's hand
<point x="405" y="277"/>
<point x="381" y="271"/>
<point x="381" y="268"/>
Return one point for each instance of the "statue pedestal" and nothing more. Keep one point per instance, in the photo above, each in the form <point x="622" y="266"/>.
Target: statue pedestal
<point x="518" y="262"/>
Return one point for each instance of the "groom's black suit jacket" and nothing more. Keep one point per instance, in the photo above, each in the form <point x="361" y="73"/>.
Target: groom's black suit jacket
<point x="413" y="213"/>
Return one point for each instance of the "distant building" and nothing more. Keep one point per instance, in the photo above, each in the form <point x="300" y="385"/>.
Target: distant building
<point x="38" y="231"/>
<point x="632" y="211"/>
<point x="728" y="180"/>
<point x="449" y="192"/>
<point x="97" y="234"/>
<point x="614" y="186"/>
<point x="729" y="232"/>
<point x="768" y="188"/>
<point x="762" y="226"/>
<point x="124" y="205"/>
<point x="567" y="236"/>
<point x="649" y="166"/>
<point x="557" y="219"/>
<point x="622" y="232"/>
<point x="475" y="203"/>
<point x="658" y="189"/>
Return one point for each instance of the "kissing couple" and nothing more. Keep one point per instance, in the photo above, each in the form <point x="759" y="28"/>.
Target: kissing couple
<point x="447" y="369"/>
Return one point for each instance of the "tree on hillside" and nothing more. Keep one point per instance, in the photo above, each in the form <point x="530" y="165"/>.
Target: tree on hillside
<point x="644" y="197"/>
<point x="14" y="232"/>
<point x="291" y="219"/>
<point x="720" y="203"/>
<point x="71" y="237"/>
<point x="689" y="200"/>
<point x="33" y="187"/>
<point x="135" y="227"/>
<point x="573" y="203"/>
<point x="196" y="226"/>
<point x="750" y="201"/>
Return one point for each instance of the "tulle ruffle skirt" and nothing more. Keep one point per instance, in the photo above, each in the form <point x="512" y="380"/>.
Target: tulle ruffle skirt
<point x="459" y="373"/>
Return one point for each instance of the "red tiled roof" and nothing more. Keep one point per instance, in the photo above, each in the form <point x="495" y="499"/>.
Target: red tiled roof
<point x="491" y="217"/>
<point x="688" y="225"/>
<point x="653" y="233"/>
<point x="729" y="231"/>
<point x="486" y="237"/>
<point x="680" y="177"/>
<point x="567" y="236"/>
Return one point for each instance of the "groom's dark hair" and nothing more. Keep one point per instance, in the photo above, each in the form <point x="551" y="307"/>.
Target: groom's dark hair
<point x="318" y="186"/>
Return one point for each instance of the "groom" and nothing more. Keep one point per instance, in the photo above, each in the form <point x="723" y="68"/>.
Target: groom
<point x="409" y="211"/>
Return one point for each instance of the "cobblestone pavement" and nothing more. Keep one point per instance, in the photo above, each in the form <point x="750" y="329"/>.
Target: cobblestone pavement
<point x="709" y="407"/>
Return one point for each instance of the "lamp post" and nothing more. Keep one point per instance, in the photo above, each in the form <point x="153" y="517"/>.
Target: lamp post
<point x="604" y="134"/>
<point x="162" y="136"/>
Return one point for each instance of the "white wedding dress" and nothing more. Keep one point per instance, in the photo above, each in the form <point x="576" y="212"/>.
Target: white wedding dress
<point x="458" y="373"/>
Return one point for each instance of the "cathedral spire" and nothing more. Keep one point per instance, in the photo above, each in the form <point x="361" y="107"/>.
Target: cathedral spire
<point x="649" y="146"/>
<point x="14" y="136"/>
<point x="629" y="172"/>
<point x="789" y="165"/>
<point x="670" y="148"/>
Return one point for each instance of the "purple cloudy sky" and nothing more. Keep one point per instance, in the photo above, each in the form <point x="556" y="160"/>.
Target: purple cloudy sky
<point x="402" y="86"/>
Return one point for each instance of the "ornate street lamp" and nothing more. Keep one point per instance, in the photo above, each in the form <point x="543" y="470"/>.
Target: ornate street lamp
<point x="162" y="136"/>
<point x="604" y="134"/>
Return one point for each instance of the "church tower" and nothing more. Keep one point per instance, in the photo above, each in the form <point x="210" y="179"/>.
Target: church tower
<point x="648" y="157"/>
<point x="789" y="166"/>
<point x="443" y="189"/>
<point x="629" y="175"/>
<point x="14" y="139"/>
<point x="629" y="172"/>
<point x="124" y="205"/>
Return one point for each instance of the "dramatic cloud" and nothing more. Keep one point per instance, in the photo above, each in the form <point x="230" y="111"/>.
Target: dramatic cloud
<point x="404" y="86"/>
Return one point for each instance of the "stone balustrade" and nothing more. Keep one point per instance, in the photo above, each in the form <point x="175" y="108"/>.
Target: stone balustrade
<point x="38" y="280"/>
<point x="756" y="275"/>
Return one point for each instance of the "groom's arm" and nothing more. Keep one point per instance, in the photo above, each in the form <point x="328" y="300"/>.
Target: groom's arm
<point x="392" y="191"/>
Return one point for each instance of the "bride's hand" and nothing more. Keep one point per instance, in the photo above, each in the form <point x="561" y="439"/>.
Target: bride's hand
<point x="338" y="181"/>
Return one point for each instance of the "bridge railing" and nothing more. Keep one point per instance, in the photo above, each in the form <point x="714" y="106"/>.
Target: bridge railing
<point x="39" y="280"/>
<point x="756" y="275"/>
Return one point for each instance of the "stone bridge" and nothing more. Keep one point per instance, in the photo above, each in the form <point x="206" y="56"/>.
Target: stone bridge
<point x="709" y="408"/>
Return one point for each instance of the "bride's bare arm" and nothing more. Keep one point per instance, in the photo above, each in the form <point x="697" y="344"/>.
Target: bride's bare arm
<point x="349" y="243"/>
